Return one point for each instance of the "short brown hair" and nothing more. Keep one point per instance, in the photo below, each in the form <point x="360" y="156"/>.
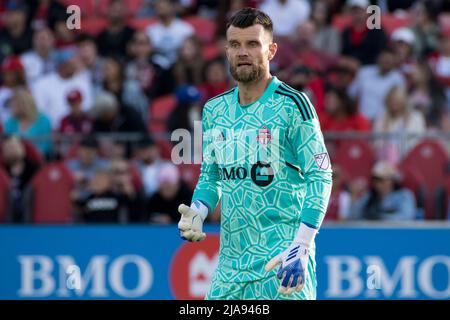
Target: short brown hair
<point x="248" y="17"/>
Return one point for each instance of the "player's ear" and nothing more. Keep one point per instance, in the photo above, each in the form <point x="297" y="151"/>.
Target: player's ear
<point x="273" y="47"/>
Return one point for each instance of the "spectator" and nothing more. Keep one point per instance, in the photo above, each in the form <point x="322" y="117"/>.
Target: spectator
<point x="123" y="185"/>
<point x="149" y="163"/>
<point x="425" y="28"/>
<point x="64" y="37"/>
<point x="427" y="95"/>
<point x="188" y="109"/>
<point x="128" y="93"/>
<point x="13" y="77"/>
<point x="100" y="204"/>
<point x="163" y="205"/>
<point x="111" y="117"/>
<point x="397" y="119"/>
<point x="90" y="60"/>
<point x="340" y="199"/>
<point x="371" y="97"/>
<point x="144" y="69"/>
<point x="216" y="79"/>
<point x="47" y="13"/>
<point x="440" y="62"/>
<point x="386" y="200"/>
<point x="357" y="40"/>
<point x="26" y="121"/>
<point x="326" y="38"/>
<point x="190" y="64"/>
<point x="286" y="15"/>
<point x="86" y="163"/>
<point x="168" y="34"/>
<point x="51" y="90"/>
<point x="343" y="73"/>
<point x="40" y="60"/>
<point x="115" y="38"/>
<point x="403" y="46"/>
<point x="15" y="36"/>
<point x="77" y="121"/>
<point x="341" y="113"/>
<point x="20" y="170"/>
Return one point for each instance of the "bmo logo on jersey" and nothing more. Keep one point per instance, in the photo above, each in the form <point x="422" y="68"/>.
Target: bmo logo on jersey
<point x="261" y="173"/>
<point x="371" y="277"/>
<point x="193" y="266"/>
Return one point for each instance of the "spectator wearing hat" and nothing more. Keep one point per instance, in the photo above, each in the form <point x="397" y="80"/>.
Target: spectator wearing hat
<point x="27" y="122"/>
<point x="188" y="109"/>
<point x="77" y="121"/>
<point x="16" y="35"/>
<point x="51" y="90"/>
<point x="13" y="77"/>
<point x="386" y="199"/>
<point x="116" y="36"/>
<point x="358" y="41"/>
<point x="162" y="206"/>
<point x="40" y="61"/>
<point x="110" y="117"/>
<point x="403" y="45"/>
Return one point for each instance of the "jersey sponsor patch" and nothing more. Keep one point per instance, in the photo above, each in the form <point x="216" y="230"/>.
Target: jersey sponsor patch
<point x="322" y="160"/>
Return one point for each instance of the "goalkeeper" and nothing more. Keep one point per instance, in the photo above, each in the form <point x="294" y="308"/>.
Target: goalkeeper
<point x="265" y="159"/>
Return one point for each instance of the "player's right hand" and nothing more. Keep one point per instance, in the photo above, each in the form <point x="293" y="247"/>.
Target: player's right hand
<point x="191" y="224"/>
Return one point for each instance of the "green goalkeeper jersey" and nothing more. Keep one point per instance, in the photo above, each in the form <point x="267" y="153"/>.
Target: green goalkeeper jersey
<point x="268" y="165"/>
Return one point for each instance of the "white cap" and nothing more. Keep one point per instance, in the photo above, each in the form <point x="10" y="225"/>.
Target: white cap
<point x="168" y="172"/>
<point x="384" y="169"/>
<point x="358" y="3"/>
<point x="403" y="34"/>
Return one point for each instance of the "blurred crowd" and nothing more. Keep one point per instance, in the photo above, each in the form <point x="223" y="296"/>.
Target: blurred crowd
<point x="103" y="99"/>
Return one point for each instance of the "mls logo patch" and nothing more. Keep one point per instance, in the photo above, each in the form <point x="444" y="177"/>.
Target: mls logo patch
<point x="322" y="160"/>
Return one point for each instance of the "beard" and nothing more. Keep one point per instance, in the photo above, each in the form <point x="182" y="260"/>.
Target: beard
<point x="246" y="74"/>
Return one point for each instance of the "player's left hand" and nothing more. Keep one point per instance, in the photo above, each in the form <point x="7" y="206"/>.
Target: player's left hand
<point x="293" y="270"/>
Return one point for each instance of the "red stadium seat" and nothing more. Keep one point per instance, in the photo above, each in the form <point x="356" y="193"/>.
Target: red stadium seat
<point x="87" y="7"/>
<point x="160" y="110"/>
<point x="430" y="158"/>
<point x="142" y="23"/>
<point x="205" y="29"/>
<point x="390" y="22"/>
<point x="341" y="21"/>
<point x="356" y="158"/>
<point x="50" y="194"/>
<point x="4" y="188"/>
<point x="93" y="26"/>
<point x="210" y="51"/>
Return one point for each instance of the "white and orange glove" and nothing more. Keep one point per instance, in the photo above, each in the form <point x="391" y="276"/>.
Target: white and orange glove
<point x="191" y="222"/>
<point x="293" y="261"/>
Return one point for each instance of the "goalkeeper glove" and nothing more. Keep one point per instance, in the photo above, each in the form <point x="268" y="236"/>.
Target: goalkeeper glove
<point x="191" y="222"/>
<point x="293" y="270"/>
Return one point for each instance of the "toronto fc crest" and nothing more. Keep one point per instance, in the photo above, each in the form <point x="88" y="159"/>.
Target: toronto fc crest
<point x="264" y="135"/>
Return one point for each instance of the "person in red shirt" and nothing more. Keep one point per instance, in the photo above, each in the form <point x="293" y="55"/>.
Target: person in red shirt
<point x="77" y="121"/>
<point x="216" y="79"/>
<point x="341" y="113"/>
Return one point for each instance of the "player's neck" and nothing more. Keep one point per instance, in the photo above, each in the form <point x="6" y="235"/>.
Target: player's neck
<point x="250" y="92"/>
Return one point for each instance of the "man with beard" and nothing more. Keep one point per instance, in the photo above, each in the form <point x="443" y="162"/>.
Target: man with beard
<point x="264" y="157"/>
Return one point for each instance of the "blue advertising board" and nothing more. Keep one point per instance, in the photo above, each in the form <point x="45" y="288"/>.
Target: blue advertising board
<point x="152" y="262"/>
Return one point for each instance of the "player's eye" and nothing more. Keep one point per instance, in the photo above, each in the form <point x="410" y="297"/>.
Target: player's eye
<point x="234" y="45"/>
<point x="253" y="44"/>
